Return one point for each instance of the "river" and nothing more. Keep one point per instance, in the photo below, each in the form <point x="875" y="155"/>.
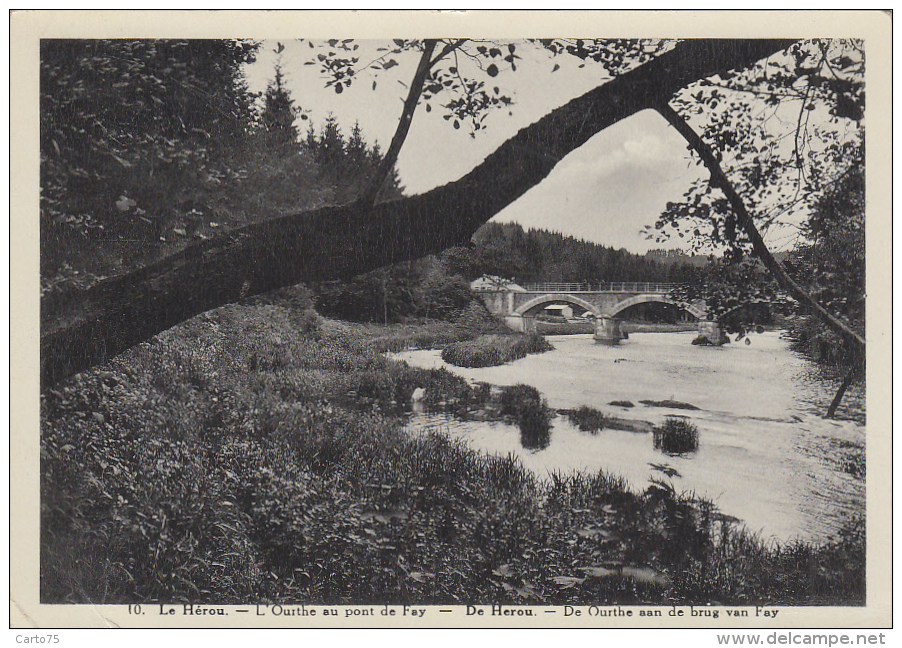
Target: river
<point x="765" y="455"/>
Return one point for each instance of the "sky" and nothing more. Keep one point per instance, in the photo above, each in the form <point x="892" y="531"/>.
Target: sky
<point x="607" y="191"/>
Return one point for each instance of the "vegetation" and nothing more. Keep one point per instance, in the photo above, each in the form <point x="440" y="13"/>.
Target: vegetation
<point x="256" y="453"/>
<point x="589" y="419"/>
<point x="537" y="255"/>
<point x="150" y="146"/>
<point x="493" y="350"/>
<point x="526" y="406"/>
<point x="676" y="436"/>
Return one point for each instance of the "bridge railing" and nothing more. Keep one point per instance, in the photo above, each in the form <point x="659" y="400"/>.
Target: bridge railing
<point x="614" y="286"/>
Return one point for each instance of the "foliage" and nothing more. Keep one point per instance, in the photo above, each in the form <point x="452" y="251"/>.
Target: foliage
<point x="136" y="137"/>
<point x="422" y="289"/>
<point x="740" y="296"/>
<point x="150" y="145"/>
<point x="279" y="113"/>
<point x="831" y="265"/>
<point x="589" y="419"/>
<point x="782" y="130"/>
<point x="676" y="436"/>
<point x="506" y="250"/>
<point x="526" y="406"/>
<point x="493" y="350"/>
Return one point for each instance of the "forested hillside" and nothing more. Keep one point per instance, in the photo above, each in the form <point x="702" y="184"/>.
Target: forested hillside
<point x="537" y="255"/>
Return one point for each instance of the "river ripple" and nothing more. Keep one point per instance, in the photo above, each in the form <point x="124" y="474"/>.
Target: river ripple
<point x="765" y="453"/>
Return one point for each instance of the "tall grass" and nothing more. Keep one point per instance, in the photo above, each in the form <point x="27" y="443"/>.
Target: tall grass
<point x="185" y="470"/>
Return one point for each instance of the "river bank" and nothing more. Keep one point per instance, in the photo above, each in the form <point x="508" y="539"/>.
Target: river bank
<point x="259" y="453"/>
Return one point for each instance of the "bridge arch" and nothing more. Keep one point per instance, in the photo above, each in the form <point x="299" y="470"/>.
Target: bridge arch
<point x="692" y="309"/>
<point x="524" y="308"/>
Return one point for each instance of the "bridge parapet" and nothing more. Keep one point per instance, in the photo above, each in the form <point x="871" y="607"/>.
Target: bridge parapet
<point x="611" y="286"/>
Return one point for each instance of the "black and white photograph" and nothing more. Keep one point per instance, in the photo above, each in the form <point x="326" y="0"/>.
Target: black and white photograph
<point x="463" y="324"/>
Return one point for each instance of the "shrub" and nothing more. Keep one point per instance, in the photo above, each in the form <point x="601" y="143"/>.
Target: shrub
<point x="588" y="419"/>
<point x="493" y="350"/>
<point x="533" y="416"/>
<point x="677" y="436"/>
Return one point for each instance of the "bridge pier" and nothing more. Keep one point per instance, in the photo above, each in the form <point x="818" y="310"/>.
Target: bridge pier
<point x="521" y="323"/>
<point x="608" y="330"/>
<point x="711" y="331"/>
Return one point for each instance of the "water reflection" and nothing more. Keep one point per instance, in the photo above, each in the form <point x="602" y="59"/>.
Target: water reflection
<point x="535" y="433"/>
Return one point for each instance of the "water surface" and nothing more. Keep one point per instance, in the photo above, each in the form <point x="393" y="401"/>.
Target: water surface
<point x="765" y="453"/>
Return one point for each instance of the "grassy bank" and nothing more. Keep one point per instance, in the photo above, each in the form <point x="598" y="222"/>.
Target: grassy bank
<point x="495" y="349"/>
<point x="254" y="453"/>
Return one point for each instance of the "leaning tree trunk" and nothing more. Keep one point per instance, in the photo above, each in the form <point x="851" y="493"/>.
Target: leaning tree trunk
<point x="80" y="329"/>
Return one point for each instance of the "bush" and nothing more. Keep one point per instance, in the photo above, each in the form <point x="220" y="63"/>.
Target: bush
<point x="525" y="405"/>
<point x="677" y="436"/>
<point x="588" y="419"/>
<point x="494" y="350"/>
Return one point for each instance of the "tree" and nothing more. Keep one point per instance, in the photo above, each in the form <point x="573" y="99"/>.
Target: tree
<point x="79" y="330"/>
<point x="279" y="114"/>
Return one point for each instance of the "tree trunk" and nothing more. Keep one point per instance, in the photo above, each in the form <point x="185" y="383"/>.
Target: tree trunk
<point x="80" y="329"/>
<point x="837" y="399"/>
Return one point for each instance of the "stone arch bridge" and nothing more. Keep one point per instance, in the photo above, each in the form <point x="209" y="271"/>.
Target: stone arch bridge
<point x="519" y="306"/>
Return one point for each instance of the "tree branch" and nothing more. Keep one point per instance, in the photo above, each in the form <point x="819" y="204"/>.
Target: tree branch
<point x="80" y="329"/>
<point x="450" y="47"/>
<point x="369" y="196"/>
<point x="720" y="180"/>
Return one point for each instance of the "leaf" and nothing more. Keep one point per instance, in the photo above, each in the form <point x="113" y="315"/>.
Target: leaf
<point x="492" y="70"/>
<point x="566" y="582"/>
<point x="389" y="64"/>
<point x="428" y="108"/>
<point x="456" y="124"/>
<point x="98" y="417"/>
<point x="556" y="68"/>
<point x="339" y="88"/>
